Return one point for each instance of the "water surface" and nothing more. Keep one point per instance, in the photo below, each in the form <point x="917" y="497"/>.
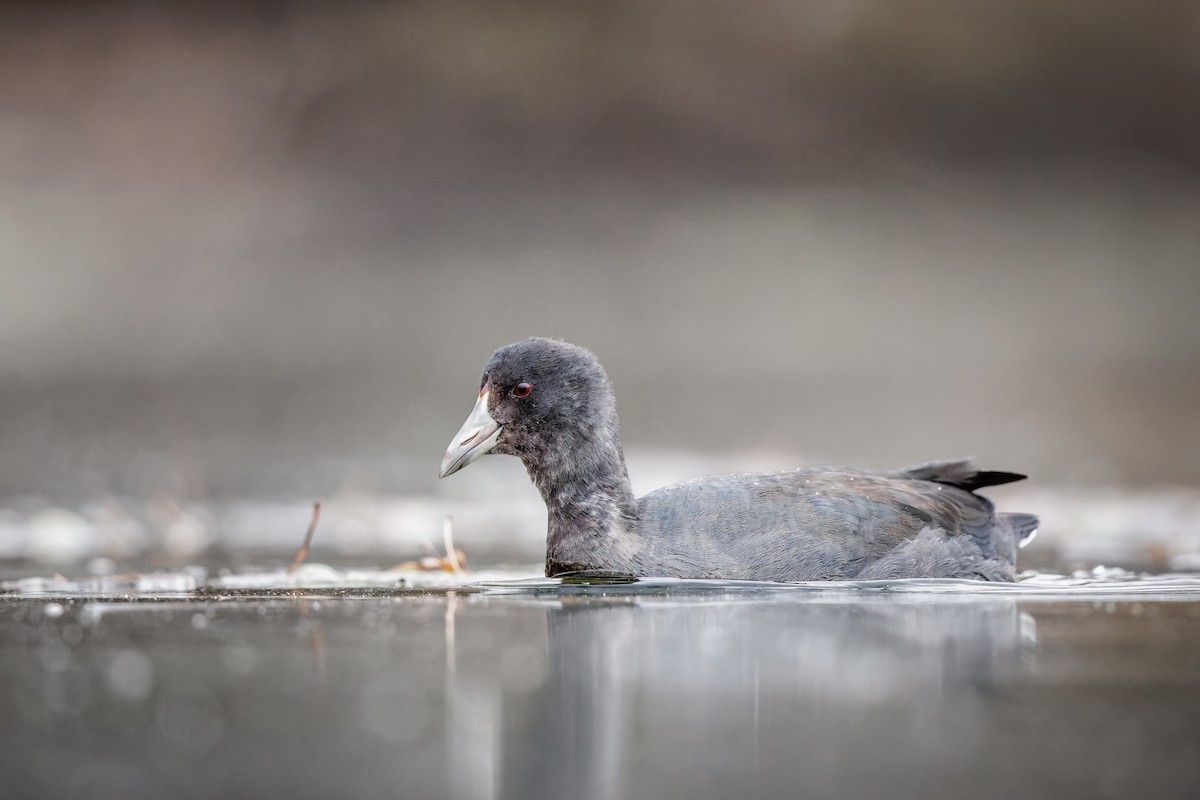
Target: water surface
<point x="1059" y="687"/>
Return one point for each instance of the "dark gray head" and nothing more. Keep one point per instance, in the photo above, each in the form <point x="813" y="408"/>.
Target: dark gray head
<point x="547" y="402"/>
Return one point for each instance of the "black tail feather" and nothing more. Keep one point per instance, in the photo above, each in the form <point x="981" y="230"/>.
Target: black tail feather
<point x="959" y="472"/>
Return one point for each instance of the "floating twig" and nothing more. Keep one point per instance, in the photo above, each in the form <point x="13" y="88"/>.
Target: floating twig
<point x="302" y="553"/>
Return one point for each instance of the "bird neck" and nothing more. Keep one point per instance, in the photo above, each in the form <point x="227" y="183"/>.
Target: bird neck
<point x="591" y="510"/>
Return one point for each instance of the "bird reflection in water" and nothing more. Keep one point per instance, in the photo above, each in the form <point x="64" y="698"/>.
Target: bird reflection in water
<point x="712" y="697"/>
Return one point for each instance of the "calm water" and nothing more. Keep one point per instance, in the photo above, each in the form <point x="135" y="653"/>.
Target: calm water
<point x="1055" y="688"/>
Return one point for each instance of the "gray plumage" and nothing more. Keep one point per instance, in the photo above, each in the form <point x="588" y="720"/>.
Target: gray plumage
<point x="804" y="524"/>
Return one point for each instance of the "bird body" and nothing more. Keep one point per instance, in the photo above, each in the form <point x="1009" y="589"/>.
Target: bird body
<point x="551" y="404"/>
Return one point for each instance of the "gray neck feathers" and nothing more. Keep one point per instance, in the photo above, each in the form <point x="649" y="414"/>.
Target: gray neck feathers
<point x="591" y="509"/>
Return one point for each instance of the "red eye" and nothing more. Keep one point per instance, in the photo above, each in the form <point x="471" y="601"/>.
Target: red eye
<point x="522" y="390"/>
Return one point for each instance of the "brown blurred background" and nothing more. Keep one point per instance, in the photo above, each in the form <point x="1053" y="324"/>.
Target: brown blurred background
<point x="264" y="248"/>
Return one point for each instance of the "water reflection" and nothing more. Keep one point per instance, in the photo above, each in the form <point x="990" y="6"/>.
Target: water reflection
<point x="632" y="695"/>
<point x="601" y="692"/>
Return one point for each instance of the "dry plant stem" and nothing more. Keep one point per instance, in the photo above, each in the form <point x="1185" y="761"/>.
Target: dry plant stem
<point x="302" y="553"/>
<point x="448" y="541"/>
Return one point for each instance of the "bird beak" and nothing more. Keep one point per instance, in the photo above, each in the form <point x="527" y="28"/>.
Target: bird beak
<point x="477" y="436"/>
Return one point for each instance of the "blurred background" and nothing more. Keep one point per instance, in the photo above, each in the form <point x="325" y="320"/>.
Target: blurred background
<point x="256" y="254"/>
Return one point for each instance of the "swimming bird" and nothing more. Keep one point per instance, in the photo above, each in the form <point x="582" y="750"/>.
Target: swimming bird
<point x="551" y="405"/>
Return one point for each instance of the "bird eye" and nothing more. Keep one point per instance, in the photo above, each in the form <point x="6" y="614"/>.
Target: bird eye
<point x="522" y="390"/>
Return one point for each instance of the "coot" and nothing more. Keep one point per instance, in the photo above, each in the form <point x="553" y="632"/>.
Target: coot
<point x="551" y="404"/>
